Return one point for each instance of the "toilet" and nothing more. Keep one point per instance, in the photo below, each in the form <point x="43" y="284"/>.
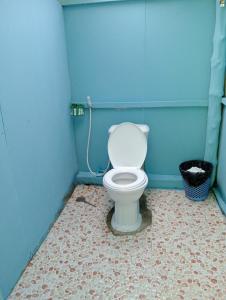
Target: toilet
<point x="126" y="182"/>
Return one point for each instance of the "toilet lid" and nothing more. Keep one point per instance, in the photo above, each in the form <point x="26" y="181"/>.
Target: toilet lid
<point x="127" y="146"/>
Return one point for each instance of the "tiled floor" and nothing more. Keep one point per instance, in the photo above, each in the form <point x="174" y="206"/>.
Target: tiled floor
<point x="182" y="255"/>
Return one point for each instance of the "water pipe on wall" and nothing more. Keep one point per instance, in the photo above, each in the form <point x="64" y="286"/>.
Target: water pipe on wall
<point x="89" y="101"/>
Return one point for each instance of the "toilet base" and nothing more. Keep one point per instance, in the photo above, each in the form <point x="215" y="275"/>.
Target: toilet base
<point x="127" y="217"/>
<point x="126" y="228"/>
<point x="146" y="216"/>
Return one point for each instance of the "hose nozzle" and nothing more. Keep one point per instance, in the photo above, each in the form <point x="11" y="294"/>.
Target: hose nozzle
<point x="89" y="101"/>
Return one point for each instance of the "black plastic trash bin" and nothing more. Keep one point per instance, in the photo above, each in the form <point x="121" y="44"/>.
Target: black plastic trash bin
<point x="196" y="185"/>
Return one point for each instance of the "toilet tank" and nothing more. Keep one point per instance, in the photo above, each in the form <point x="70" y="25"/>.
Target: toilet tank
<point x="143" y="127"/>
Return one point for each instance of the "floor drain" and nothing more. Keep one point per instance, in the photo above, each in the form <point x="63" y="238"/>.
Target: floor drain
<point x="83" y="199"/>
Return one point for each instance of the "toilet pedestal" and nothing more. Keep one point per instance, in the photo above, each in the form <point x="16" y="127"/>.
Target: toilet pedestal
<point x="127" y="217"/>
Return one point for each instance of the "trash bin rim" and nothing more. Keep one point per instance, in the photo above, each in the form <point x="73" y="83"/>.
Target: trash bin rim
<point x="196" y="161"/>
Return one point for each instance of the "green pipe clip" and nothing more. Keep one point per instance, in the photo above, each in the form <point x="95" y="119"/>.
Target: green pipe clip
<point x="77" y="110"/>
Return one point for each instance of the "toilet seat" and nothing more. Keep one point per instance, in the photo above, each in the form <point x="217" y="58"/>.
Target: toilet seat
<point x="125" y="179"/>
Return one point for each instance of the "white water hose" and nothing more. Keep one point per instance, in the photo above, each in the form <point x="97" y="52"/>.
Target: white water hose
<point x="88" y="144"/>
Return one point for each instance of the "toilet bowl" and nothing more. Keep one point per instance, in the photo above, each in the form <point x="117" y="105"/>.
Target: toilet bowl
<point x="126" y="182"/>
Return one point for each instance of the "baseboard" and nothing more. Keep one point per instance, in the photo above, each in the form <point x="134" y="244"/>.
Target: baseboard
<point x="1" y="297"/>
<point x="155" y="180"/>
<point x="220" y="200"/>
<point x="165" y="181"/>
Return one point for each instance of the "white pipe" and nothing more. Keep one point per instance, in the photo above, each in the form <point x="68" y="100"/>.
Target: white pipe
<point x="88" y="144"/>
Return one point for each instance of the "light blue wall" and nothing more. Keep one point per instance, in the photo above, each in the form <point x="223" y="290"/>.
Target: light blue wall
<point x="37" y="156"/>
<point x="221" y="174"/>
<point x="168" y="131"/>
<point x="143" y="53"/>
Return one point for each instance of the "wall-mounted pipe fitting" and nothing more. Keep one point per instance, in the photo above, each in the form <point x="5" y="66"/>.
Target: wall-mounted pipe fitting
<point x="77" y="109"/>
<point x="222" y="3"/>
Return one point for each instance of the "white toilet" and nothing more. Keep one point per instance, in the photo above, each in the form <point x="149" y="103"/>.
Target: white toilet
<point x="126" y="182"/>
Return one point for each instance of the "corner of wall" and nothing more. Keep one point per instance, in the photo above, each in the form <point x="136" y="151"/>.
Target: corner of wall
<point x="220" y="200"/>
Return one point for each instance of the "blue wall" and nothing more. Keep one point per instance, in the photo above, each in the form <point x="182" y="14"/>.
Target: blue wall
<point x="37" y="156"/>
<point x="221" y="174"/>
<point x="154" y="55"/>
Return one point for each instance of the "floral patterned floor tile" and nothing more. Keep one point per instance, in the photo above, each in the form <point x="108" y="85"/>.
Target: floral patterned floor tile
<point x="182" y="255"/>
